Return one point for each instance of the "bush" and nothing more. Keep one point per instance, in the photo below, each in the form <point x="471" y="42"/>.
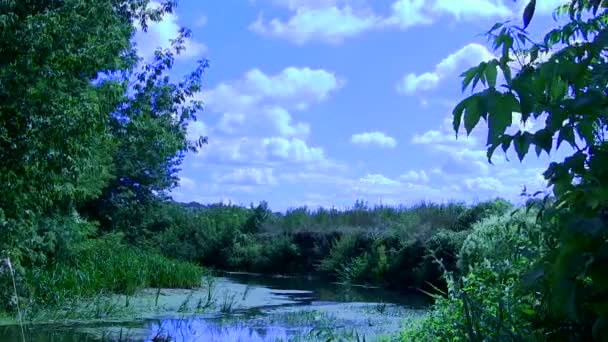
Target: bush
<point x="343" y="250"/>
<point x="495" y="237"/>
<point x="487" y="302"/>
<point x="481" y="211"/>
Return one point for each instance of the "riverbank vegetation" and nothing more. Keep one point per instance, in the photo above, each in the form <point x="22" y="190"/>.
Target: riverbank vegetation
<point x="541" y="277"/>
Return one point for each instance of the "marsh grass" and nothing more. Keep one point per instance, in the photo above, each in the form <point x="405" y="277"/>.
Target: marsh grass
<point x="228" y="302"/>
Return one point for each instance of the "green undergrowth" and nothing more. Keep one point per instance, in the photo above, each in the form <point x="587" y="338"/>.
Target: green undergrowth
<point x="98" y="267"/>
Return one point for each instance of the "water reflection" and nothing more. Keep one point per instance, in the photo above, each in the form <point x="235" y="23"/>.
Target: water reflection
<point x="202" y="330"/>
<point x="323" y="291"/>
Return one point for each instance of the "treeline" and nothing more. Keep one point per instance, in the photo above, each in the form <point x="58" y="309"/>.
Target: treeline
<point x="91" y="137"/>
<point x="381" y="245"/>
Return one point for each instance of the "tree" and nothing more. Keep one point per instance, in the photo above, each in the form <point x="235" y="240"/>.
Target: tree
<point x="568" y="86"/>
<point x="150" y="130"/>
<point x="80" y="125"/>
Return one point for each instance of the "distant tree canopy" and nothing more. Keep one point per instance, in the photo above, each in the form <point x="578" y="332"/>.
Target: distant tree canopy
<point x="84" y="122"/>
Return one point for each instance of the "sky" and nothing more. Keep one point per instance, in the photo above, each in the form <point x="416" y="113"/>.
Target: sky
<point x="323" y="102"/>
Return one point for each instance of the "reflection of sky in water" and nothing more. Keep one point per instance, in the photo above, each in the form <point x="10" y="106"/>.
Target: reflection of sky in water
<point x="201" y="330"/>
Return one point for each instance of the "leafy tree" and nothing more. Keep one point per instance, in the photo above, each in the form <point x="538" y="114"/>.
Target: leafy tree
<point x="55" y="147"/>
<point x="150" y="130"/>
<point x="81" y="127"/>
<point x="564" y="79"/>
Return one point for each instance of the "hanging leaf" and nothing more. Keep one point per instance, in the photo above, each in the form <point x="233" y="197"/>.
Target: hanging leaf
<point x="529" y="12"/>
<point x="468" y="77"/>
<point x="491" y="73"/>
<point x="522" y="143"/>
<point x="473" y="114"/>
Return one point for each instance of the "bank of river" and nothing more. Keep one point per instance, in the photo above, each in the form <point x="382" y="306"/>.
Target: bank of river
<point x="233" y="307"/>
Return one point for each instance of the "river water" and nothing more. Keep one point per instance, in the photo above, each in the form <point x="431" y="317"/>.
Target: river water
<point x="233" y="307"/>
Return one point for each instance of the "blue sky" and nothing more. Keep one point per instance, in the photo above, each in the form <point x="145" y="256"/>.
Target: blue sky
<point x="322" y="102"/>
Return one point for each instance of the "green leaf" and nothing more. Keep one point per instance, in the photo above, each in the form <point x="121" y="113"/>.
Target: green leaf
<point x="480" y="75"/>
<point x="501" y="114"/>
<point x="506" y="71"/>
<point x="468" y="77"/>
<point x="585" y="131"/>
<point x="491" y="73"/>
<point x="566" y="133"/>
<point x="529" y="13"/>
<point x="543" y="139"/>
<point x="457" y="115"/>
<point x="473" y="113"/>
<point x="522" y="143"/>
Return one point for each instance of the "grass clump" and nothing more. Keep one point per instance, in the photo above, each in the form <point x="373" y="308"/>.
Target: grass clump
<point x="107" y="265"/>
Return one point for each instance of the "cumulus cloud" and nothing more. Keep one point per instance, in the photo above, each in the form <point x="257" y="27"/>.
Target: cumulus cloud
<point x="445" y="135"/>
<point x="375" y="138"/>
<point x="377" y="179"/>
<point x="249" y="176"/>
<point x="160" y="34"/>
<point x="292" y="87"/>
<point x="472" y="9"/>
<point x="294" y="150"/>
<point x="333" y="21"/>
<point x="468" y="56"/>
<point x="187" y="183"/>
<point x="415" y="176"/>
<point x="328" y="24"/>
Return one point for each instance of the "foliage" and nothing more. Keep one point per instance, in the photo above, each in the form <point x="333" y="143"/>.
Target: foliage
<point x="492" y="239"/>
<point x="107" y="265"/>
<point x="567" y="88"/>
<point x="487" y="301"/>
<point x="91" y="138"/>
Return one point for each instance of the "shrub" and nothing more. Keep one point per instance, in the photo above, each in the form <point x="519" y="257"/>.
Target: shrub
<point x="343" y="250"/>
<point x="481" y="211"/>
<point x="487" y="302"/>
<point x="494" y="239"/>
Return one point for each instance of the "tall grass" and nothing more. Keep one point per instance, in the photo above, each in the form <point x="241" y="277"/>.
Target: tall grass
<point x="106" y="265"/>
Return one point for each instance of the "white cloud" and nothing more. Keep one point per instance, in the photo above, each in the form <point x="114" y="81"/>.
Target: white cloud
<point x="269" y="151"/>
<point x="373" y="138"/>
<point x="301" y="84"/>
<point x="293" y="150"/>
<point x="445" y="135"/>
<point x="249" y="176"/>
<point x="415" y="176"/>
<point x="259" y="104"/>
<point x="332" y="21"/>
<point x="468" y="56"/>
<point x="231" y="122"/>
<point x="283" y="121"/>
<point x="292" y="87"/>
<point x="542" y="7"/>
<point x="197" y="129"/>
<point x="377" y="179"/>
<point x="160" y="34"/>
<point x="472" y="9"/>
<point x="256" y="126"/>
<point x="187" y="183"/>
<point x="406" y="13"/>
<point x="328" y="24"/>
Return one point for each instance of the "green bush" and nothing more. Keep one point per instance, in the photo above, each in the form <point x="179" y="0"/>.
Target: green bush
<point x="343" y="250"/>
<point x="494" y="239"/>
<point x="488" y="302"/>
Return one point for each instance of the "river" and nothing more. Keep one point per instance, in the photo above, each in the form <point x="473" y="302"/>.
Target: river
<point x="233" y="307"/>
